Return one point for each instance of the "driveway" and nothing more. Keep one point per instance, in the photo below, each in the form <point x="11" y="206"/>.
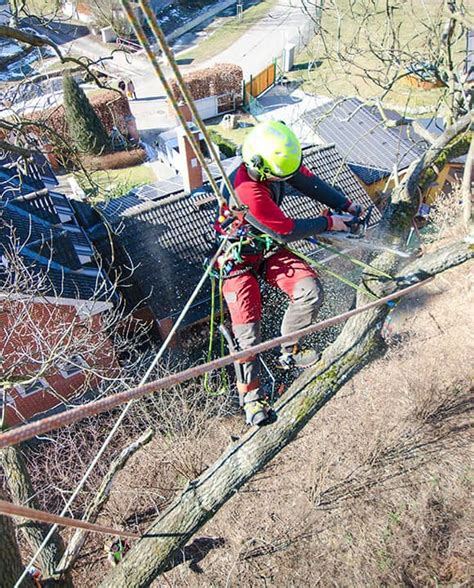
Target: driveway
<point x="286" y="23"/>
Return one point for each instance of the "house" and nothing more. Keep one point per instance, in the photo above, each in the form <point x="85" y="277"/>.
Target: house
<point x="166" y="234"/>
<point x="53" y="299"/>
<point x="452" y="171"/>
<point x="370" y="149"/>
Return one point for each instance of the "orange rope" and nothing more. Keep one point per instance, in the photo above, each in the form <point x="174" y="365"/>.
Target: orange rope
<point x="57" y="421"/>
<point x="13" y="510"/>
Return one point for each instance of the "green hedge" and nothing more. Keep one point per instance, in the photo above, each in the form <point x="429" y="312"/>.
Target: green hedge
<point x="226" y="146"/>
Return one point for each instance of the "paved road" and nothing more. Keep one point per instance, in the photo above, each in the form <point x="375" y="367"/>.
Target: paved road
<point x="286" y="23"/>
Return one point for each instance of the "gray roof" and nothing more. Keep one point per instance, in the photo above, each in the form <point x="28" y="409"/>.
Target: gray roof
<point x="358" y="132"/>
<point x="168" y="238"/>
<point x="49" y="245"/>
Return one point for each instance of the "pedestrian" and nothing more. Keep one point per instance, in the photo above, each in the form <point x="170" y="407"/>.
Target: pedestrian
<point x="131" y="90"/>
<point x="121" y="86"/>
<point x="271" y="156"/>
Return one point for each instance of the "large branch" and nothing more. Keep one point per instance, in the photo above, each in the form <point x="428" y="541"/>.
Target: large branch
<point x="204" y="496"/>
<point x="95" y="507"/>
<point x="22" y="492"/>
<point x="353" y="349"/>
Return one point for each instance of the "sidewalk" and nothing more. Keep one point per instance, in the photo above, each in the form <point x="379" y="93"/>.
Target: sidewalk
<point x="261" y="44"/>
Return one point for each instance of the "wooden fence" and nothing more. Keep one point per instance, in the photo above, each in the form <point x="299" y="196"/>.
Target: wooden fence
<point x="259" y="83"/>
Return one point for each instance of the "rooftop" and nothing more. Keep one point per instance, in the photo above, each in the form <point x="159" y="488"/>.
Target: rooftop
<point x="167" y="236"/>
<point x="41" y="227"/>
<point x="361" y="138"/>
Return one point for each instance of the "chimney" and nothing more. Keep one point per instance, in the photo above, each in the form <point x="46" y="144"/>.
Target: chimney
<point x="185" y="111"/>
<point x="190" y="167"/>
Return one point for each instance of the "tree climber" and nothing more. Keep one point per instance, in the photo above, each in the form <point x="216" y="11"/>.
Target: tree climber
<point x="271" y="156"/>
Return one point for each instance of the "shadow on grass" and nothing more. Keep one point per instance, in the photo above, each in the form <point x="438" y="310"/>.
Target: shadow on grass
<point x="185" y="60"/>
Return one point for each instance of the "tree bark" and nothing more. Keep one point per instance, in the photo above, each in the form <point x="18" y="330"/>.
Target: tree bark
<point x="11" y="567"/>
<point x="355" y="347"/>
<point x="21" y="490"/>
<point x="95" y="507"/>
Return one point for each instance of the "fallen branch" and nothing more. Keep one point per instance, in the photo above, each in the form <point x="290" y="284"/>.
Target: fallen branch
<point x="95" y="507"/>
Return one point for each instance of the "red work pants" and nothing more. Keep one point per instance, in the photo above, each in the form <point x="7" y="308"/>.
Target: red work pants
<point x="285" y="271"/>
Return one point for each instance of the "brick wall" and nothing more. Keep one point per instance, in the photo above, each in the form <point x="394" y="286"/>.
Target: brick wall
<point x="51" y="322"/>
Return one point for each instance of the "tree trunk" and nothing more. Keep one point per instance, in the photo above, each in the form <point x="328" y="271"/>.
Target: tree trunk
<point x="355" y="347"/>
<point x="21" y="490"/>
<point x="11" y="567"/>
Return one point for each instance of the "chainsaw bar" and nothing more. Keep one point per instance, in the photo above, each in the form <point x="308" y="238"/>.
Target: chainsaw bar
<point x="359" y="240"/>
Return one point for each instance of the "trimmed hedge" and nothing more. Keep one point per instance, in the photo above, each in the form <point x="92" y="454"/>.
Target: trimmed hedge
<point x="225" y="78"/>
<point x="117" y="160"/>
<point x="226" y="146"/>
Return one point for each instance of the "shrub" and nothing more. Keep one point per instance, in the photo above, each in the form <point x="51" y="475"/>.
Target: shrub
<point x="226" y="146"/>
<point x="117" y="160"/>
<point x="84" y="126"/>
<point x="224" y="78"/>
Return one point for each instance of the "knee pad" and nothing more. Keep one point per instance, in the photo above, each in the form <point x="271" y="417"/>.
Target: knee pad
<point x="308" y="291"/>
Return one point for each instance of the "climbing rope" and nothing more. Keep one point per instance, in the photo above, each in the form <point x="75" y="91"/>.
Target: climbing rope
<point x="124" y="413"/>
<point x="30" y="430"/>
<point x="374" y="271"/>
<point x="195" y="145"/>
<point x="14" y="510"/>
<point x="142" y="38"/>
<point x="342" y="279"/>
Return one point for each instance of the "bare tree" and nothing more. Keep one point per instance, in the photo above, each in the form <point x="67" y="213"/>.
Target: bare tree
<point x="371" y="47"/>
<point x="43" y="335"/>
<point x="354" y="348"/>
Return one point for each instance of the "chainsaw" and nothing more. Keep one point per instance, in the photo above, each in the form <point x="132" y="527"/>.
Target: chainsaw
<point x="356" y="235"/>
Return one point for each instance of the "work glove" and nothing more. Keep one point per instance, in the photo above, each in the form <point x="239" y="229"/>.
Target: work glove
<point x="356" y="209"/>
<point x="340" y="222"/>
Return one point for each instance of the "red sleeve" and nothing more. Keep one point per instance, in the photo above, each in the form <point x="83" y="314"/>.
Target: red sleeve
<point x="261" y="206"/>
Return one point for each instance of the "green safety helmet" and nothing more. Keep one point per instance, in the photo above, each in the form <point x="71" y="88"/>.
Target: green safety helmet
<point x="272" y="150"/>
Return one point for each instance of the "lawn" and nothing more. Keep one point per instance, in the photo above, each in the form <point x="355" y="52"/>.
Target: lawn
<point x="352" y="32"/>
<point x="43" y="7"/>
<point x="114" y="183"/>
<point x="226" y="30"/>
<point x="237" y="135"/>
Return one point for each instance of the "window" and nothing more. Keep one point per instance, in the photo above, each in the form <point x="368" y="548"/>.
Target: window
<point x="73" y="366"/>
<point x="29" y="389"/>
<point x="84" y="253"/>
<point x="5" y="399"/>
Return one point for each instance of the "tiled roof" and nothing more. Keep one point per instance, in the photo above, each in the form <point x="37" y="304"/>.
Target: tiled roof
<point x="361" y="138"/>
<point x="168" y="238"/>
<point x="41" y="226"/>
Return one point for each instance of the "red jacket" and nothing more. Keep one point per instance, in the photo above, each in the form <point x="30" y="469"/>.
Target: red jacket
<point x="263" y="200"/>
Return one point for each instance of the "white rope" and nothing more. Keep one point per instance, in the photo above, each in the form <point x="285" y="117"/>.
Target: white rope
<point x="125" y="410"/>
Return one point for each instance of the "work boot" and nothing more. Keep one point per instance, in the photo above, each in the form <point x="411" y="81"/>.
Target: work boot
<point x="298" y="358"/>
<point x="256" y="408"/>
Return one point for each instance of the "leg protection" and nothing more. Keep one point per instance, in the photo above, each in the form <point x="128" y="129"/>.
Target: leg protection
<point x="248" y="371"/>
<point x="305" y="302"/>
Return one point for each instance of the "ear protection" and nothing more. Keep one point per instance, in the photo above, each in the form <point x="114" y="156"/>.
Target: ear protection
<point x="258" y="167"/>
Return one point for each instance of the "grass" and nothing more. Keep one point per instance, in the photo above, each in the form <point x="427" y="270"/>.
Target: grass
<point x="227" y="30"/>
<point x="107" y="184"/>
<point x="237" y="135"/>
<point x="42" y="7"/>
<point x="343" y="35"/>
